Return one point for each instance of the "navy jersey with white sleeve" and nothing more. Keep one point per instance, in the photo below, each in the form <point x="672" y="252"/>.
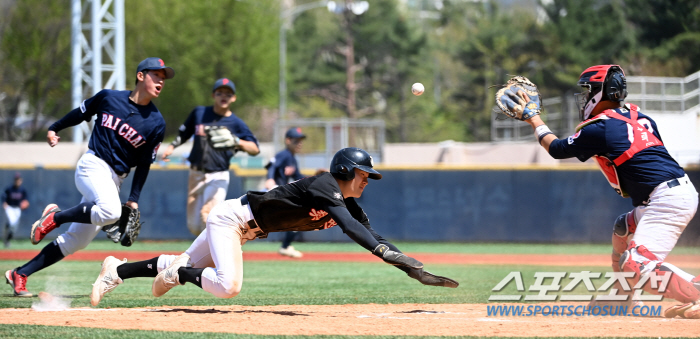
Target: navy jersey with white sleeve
<point x="610" y="137"/>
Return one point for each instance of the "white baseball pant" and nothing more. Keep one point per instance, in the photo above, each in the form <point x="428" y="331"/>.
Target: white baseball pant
<point x="204" y="191"/>
<point x="98" y="183"/>
<point x="218" y="249"/>
<point x="661" y="222"/>
<point x="13" y="213"/>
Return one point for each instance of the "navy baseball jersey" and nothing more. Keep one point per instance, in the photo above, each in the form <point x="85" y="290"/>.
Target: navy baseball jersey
<point x="275" y="169"/>
<point x="203" y="156"/>
<point x="125" y="135"/>
<point x="611" y="137"/>
<point x="14" y="195"/>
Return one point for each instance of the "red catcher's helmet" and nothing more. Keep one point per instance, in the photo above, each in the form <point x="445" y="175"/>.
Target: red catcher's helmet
<point x="600" y="83"/>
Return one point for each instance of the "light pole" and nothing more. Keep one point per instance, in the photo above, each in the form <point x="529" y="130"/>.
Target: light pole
<point x="287" y="16"/>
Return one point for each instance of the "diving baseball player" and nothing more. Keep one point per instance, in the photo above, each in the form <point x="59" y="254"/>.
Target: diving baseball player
<point x="627" y="146"/>
<point x="214" y="261"/>
<point x="218" y="135"/>
<point x="281" y="168"/>
<point x="14" y="200"/>
<point x="127" y="133"/>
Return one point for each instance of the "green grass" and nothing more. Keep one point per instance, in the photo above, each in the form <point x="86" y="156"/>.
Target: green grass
<point x="50" y="332"/>
<point x="409" y="247"/>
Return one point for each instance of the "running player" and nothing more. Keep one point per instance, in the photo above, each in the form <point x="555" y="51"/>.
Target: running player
<point x="627" y="146"/>
<point x="210" y="158"/>
<point x="127" y="133"/>
<point x="214" y="261"/>
<point x="282" y="168"/>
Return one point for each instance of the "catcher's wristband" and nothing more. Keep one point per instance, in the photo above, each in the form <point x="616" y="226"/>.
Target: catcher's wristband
<point x="541" y="131"/>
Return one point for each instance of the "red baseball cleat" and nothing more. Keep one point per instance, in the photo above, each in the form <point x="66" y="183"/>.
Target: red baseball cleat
<point x="43" y="226"/>
<point x="18" y="283"/>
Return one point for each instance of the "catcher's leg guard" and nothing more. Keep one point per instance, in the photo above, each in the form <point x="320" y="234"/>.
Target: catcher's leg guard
<point x="625" y="225"/>
<point x="677" y="287"/>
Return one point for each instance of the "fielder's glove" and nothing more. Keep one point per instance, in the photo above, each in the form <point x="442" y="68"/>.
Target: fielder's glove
<point x="127" y="228"/>
<point x="519" y="98"/>
<point x="220" y="137"/>
<point x="427" y="278"/>
<point x="396" y="258"/>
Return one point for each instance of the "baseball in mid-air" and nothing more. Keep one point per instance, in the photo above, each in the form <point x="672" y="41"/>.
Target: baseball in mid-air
<point x="417" y="88"/>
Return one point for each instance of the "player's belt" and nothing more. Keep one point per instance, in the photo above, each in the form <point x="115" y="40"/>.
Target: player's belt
<point x="251" y="223"/>
<point x="673" y="183"/>
<point x="202" y="169"/>
<point x="678" y="181"/>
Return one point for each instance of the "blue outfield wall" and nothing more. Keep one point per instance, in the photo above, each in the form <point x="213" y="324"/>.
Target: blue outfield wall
<point x="499" y="205"/>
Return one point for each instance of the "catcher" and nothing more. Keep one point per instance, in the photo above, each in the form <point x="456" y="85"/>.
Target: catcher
<point x="214" y="261"/>
<point x="218" y="135"/>
<point x="627" y="147"/>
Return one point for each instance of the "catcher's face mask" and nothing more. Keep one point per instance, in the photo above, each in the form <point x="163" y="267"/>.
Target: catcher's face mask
<point x="587" y="101"/>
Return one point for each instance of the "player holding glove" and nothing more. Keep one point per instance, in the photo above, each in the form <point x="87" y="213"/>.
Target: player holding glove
<point x="214" y="261"/>
<point x="627" y="146"/>
<point x="218" y="135"/>
<point x="127" y="133"/>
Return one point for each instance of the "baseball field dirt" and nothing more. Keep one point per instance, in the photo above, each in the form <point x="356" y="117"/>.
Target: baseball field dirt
<point x="371" y="319"/>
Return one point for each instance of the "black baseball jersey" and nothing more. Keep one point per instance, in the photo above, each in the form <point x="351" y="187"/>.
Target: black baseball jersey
<point x="312" y="203"/>
<point x="203" y="155"/>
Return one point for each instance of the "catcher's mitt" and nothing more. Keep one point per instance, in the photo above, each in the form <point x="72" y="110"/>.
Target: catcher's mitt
<point x="127" y="228"/>
<point x="220" y="137"/>
<point x="427" y="278"/>
<point x="519" y="98"/>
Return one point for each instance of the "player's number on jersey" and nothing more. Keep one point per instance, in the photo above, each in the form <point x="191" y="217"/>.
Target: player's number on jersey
<point x="644" y="122"/>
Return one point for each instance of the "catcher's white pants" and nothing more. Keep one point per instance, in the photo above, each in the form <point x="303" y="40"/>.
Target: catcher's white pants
<point x="661" y="222"/>
<point x="98" y="183"/>
<point x="13" y="213"/>
<point x="204" y="191"/>
<point x="218" y="248"/>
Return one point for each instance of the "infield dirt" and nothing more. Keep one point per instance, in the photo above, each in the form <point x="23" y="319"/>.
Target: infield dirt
<point x="370" y="319"/>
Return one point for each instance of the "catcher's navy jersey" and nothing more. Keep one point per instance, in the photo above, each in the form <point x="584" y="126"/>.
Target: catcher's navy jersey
<point x="275" y="169"/>
<point x="609" y="137"/>
<point x="203" y="156"/>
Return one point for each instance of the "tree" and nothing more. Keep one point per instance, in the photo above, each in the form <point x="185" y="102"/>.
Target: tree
<point x="35" y="54"/>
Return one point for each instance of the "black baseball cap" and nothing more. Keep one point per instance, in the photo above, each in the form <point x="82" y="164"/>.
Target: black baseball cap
<point x="224" y="82"/>
<point x="294" y="133"/>
<point x="153" y="64"/>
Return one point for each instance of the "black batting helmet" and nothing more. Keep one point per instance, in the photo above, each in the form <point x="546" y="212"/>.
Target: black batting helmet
<point x="347" y="159"/>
